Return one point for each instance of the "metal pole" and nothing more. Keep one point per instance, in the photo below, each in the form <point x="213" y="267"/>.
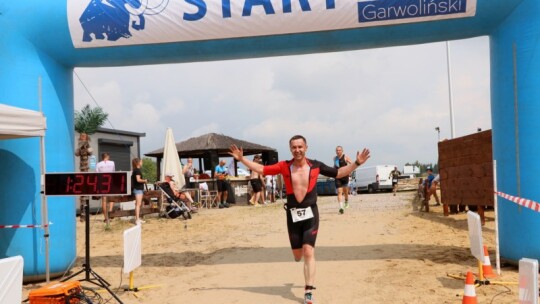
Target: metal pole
<point x="452" y="129"/>
<point x="516" y="119"/>
<point x="44" y="213"/>
<point x="495" y="200"/>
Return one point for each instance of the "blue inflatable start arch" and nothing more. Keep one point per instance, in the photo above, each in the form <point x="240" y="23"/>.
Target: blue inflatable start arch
<point x="48" y="39"/>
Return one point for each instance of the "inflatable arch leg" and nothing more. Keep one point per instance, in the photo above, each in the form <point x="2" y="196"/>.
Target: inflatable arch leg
<point x="515" y="75"/>
<point x="20" y="159"/>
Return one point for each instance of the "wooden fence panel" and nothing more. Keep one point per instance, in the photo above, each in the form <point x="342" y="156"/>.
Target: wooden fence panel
<point x="466" y="170"/>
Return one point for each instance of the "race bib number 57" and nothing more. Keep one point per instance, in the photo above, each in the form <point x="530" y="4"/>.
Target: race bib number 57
<point x="301" y="214"/>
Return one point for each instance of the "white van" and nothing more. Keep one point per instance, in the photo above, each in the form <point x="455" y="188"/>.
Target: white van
<point x="365" y="178"/>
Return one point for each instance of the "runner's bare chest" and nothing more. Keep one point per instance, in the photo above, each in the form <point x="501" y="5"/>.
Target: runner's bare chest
<point x="300" y="181"/>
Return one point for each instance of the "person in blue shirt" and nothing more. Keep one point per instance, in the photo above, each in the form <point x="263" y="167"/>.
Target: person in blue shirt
<point x="221" y="175"/>
<point x="432" y="182"/>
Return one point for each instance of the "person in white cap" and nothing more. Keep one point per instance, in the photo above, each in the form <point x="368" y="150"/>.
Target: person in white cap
<point x="183" y="195"/>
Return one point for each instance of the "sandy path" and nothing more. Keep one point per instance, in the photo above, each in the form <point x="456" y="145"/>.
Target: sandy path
<point x="379" y="251"/>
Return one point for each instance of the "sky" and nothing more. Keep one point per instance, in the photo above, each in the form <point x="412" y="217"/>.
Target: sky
<point x="388" y="100"/>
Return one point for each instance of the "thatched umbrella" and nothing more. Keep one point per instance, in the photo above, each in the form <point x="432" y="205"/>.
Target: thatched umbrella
<point x="210" y="146"/>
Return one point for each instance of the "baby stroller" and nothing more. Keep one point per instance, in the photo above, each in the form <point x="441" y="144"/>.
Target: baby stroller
<point x="176" y="206"/>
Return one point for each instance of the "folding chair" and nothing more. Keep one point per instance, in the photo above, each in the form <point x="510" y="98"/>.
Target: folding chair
<point x="208" y="198"/>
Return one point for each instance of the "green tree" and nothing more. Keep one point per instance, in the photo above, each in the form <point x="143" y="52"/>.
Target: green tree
<point x="87" y="121"/>
<point x="424" y="166"/>
<point x="149" y="169"/>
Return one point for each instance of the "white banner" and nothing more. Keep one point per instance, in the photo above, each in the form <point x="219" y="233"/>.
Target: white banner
<point x="102" y="23"/>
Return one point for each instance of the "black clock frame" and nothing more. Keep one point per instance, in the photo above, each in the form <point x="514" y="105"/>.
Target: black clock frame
<point x="87" y="183"/>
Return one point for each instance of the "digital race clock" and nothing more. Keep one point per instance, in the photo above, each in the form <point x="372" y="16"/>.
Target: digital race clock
<point x="87" y="183"/>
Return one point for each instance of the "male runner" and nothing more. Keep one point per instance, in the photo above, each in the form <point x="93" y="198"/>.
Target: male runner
<point x="394" y="175"/>
<point x="300" y="177"/>
<point x="342" y="184"/>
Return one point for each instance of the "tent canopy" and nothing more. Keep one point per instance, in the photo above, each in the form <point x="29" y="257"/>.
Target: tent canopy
<point x="197" y="147"/>
<point x="201" y="147"/>
<point x="17" y="123"/>
<point x="20" y="123"/>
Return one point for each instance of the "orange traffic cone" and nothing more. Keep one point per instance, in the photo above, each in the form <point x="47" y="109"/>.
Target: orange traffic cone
<point x="486" y="265"/>
<point x="469" y="296"/>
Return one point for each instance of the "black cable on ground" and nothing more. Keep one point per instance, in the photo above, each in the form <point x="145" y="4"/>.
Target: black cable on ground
<point x="500" y="293"/>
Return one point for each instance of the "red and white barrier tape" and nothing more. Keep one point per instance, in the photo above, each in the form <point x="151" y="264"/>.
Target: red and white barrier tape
<point x="25" y="226"/>
<point x="521" y="201"/>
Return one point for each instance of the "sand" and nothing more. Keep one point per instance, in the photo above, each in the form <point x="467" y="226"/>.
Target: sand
<point x="379" y="251"/>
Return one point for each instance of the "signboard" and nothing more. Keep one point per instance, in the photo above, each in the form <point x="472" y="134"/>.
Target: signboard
<point x="102" y="23"/>
<point x="475" y="235"/>
<point x="11" y="279"/>
<point x="132" y="248"/>
<point x="528" y="281"/>
<point x="87" y="183"/>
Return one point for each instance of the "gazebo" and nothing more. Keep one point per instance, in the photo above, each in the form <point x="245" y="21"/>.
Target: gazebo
<point x="209" y="147"/>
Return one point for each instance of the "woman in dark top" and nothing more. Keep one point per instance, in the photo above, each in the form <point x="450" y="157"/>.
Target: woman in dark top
<point x="137" y="184"/>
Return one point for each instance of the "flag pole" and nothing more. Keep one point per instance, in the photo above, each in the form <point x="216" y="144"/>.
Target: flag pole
<point x="452" y="128"/>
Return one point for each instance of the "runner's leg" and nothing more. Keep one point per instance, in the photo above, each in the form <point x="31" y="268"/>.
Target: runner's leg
<point x="297" y="253"/>
<point x="346" y="195"/>
<point x="340" y="199"/>
<point x="104" y="209"/>
<point x="309" y="264"/>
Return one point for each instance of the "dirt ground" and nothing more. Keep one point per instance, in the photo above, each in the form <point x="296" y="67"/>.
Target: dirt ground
<point x="379" y="251"/>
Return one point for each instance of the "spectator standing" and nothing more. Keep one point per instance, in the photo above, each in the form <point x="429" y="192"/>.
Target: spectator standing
<point x="433" y="189"/>
<point x="270" y="181"/>
<point x="189" y="172"/>
<point x="137" y="183"/>
<point x="222" y="185"/>
<point x="394" y="175"/>
<point x="105" y="165"/>
<point x="255" y="182"/>
<point x="432" y="182"/>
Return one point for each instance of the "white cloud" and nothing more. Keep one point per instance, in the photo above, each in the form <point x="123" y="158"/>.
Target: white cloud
<point x="389" y="100"/>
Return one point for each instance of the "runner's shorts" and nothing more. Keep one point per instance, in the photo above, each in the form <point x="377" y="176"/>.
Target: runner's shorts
<point x="342" y="182"/>
<point x="304" y="232"/>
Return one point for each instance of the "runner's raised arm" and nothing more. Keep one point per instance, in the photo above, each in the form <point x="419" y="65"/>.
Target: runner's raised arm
<point x="238" y="154"/>
<point x="360" y="159"/>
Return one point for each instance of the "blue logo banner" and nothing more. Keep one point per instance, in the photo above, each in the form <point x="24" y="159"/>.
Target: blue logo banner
<point x="106" y="23"/>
